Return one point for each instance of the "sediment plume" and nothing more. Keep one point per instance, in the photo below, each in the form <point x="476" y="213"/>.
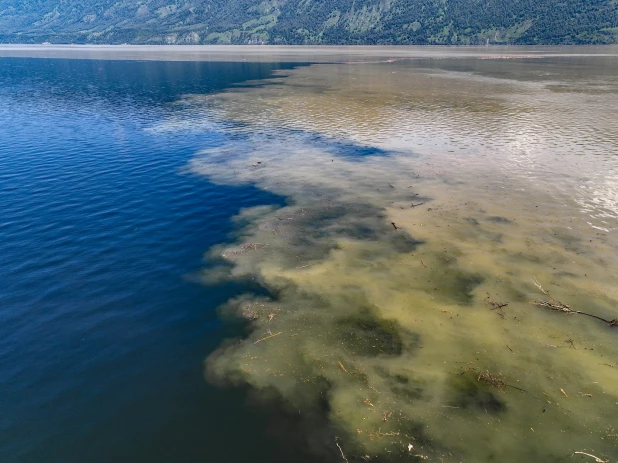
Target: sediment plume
<point x="400" y="277"/>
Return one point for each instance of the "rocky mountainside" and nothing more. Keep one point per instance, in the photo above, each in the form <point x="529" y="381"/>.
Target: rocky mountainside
<point x="310" y="21"/>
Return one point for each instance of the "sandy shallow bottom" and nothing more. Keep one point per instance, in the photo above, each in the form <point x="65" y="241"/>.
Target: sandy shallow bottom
<point x="443" y="218"/>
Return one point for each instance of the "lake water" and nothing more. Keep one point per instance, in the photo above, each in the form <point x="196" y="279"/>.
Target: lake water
<point x="215" y="254"/>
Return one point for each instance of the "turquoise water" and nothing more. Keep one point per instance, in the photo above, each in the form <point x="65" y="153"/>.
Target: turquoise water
<point x="103" y="326"/>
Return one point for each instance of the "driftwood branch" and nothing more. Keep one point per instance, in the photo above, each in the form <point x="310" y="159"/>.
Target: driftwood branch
<point x="495" y="381"/>
<point x="342" y="455"/>
<point x="558" y="306"/>
<point x="538" y="285"/>
<point x="497" y="306"/>
<point x="268" y="337"/>
<point x="596" y="459"/>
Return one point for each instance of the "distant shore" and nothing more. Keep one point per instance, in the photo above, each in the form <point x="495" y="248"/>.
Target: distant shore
<point x="294" y="53"/>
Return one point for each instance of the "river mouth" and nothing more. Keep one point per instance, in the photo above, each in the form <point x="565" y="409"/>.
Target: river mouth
<point x="445" y="221"/>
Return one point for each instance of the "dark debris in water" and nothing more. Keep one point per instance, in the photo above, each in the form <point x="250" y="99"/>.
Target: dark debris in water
<point x="469" y="391"/>
<point x="500" y="220"/>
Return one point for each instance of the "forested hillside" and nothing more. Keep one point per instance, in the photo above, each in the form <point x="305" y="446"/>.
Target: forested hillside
<point x="310" y="21"/>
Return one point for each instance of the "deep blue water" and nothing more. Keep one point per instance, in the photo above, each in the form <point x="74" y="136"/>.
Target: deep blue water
<point x="103" y="332"/>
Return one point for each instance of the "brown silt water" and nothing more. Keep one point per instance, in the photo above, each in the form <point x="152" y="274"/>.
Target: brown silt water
<point x="447" y="222"/>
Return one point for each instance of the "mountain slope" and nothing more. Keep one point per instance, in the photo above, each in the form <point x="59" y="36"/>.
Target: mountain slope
<point x="310" y="21"/>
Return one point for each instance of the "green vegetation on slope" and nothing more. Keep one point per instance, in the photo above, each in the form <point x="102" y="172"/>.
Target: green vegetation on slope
<point x="310" y="21"/>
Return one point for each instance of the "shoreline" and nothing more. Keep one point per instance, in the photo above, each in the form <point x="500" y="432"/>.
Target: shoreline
<point x="298" y="53"/>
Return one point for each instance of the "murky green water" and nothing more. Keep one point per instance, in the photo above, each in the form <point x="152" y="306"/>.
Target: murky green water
<point x="426" y="200"/>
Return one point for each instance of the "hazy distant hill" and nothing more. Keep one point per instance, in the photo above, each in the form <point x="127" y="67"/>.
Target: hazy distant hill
<point x="310" y="21"/>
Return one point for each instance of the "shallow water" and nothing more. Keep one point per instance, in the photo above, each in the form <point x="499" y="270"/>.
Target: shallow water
<point x="385" y="211"/>
<point x="430" y="203"/>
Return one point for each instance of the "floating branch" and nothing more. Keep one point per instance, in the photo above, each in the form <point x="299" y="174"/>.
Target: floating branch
<point x="495" y="381"/>
<point x="491" y="379"/>
<point x="596" y="459"/>
<point x="558" y="306"/>
<point x="342" y="455"/>
<point x="497" y="306"/>
<point x="268" y="337"/>
<point x="538" y="285"/>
